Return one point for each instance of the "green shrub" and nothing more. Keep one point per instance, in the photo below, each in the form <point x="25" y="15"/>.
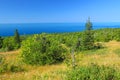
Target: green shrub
<point x="42" y="50"/>
<point x="9" y="67"/>
<point x="1" y="59"/>
<point x="5" y="67"/>
<point x="93" y="72"/>
<point x="52" y="75"/>
<point x="1" y="42"/>
<point x="15" y="68"/>
<point x="9" y="44"/>
<point x="98" y="45"/>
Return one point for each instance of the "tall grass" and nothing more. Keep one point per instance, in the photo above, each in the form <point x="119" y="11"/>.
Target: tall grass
<point x="94" y="72"/>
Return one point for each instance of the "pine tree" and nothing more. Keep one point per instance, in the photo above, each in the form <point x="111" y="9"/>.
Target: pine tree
<point x="1" y="42"/>
<point x="17" y="38"/>
<point x="88" y="39"/>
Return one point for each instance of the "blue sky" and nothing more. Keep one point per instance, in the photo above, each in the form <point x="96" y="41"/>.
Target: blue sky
<point x="39" y="11"/>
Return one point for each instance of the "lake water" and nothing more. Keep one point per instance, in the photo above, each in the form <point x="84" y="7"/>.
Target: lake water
<point x="35" y="28"/>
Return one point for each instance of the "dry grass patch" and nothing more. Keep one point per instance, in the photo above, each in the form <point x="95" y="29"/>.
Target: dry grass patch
<point x="106" y="56"/>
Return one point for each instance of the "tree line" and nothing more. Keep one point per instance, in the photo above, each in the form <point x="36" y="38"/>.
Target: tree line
<point x="52" y="48"/>
<point x="10" y="43"/>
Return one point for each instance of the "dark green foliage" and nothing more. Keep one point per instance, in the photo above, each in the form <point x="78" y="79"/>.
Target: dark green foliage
<point x="78" y="44"/>
<point x="105" y="35"/>
<point x="93" y="72"/>
<point x="87" y="40"/>
<point x="5" y="67"/>
<point x="117" y="35"/>
<point x="15" y="68"/>
<point x="88" y="37"/>
<point x="1" y="59"/>
<point x="79" y="40"/>
<point x="88" y="25"/>
<point x="17" y="38"/>
<point x="9" y="44"/>
<point x="41" y="50"/>
<point x="49" y="48"/>
<point x="98" y="45"/>
<point x="1" y="42"/>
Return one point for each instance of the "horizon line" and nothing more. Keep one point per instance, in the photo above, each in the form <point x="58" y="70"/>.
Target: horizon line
<point x="56" y="22"/>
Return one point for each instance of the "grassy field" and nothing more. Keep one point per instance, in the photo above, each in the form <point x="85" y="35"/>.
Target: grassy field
<point x="108" y="56"/>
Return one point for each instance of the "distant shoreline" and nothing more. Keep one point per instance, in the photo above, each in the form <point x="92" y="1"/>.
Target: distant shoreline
<point x="37" y="28"/>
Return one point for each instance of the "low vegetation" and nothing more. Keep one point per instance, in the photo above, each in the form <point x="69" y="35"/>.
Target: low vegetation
<point x="104" y="61"/>
<point x="95" y="56"/>
<point x="94" y="72"/>
<point x="40" y="50"/>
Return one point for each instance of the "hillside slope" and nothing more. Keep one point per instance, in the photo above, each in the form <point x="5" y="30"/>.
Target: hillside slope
<point x="109" y="56"/>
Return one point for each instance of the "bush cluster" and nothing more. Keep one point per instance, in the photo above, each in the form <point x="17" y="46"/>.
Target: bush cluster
<point x="7" y="67"/>
<point x="10" y="68"/>
<point x="41" y="50"/>
<point x="50" y="48"/>
<point x="77" y="39"/>
<point x="93" y="72"/>
<point x="10" y="43"/>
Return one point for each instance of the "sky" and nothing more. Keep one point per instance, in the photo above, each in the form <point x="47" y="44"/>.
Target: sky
<point x="57" y="11"/>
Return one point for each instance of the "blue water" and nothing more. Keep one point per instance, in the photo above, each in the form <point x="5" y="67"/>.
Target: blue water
<point x="35" y="28"/>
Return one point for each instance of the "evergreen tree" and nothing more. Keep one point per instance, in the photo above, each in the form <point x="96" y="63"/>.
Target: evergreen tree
<point x="88" y="39"/>
<point x="17" y="38"/>
<point x="1" y="42"/>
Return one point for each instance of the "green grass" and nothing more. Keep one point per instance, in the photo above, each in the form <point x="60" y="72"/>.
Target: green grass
<point x="94" y="72"/>
<point x="106" y="60"/>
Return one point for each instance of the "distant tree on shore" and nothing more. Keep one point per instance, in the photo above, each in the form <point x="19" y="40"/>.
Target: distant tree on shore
<point x="1" y="42"/>
<point x="12" y="42"/>
<point x="17" y="38"/>
<point x="88" y="38"/>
